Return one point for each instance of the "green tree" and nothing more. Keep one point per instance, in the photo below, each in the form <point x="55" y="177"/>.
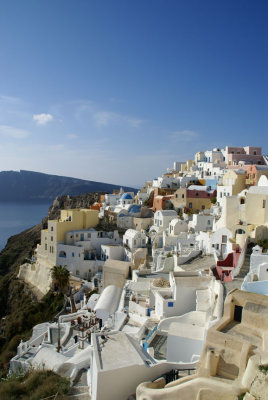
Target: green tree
<point x="61" y="277"/>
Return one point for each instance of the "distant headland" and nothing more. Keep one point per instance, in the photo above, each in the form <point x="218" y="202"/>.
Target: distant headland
<point x="33" y="186"/>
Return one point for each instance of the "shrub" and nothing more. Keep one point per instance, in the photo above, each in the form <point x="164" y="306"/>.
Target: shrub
<point x="35" y="385"/>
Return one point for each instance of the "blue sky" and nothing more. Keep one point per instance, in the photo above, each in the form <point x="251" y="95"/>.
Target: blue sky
<point x="117" y="90"/>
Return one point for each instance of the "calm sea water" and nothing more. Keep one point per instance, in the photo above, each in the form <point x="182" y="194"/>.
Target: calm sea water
<point x="16" y="217"/>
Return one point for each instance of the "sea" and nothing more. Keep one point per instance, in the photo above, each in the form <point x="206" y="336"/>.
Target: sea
<point x="16" y="217"/>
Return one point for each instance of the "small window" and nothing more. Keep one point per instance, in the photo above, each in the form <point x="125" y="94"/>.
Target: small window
<point x="209" y="222"/>
<point x="224" y="239"/>
<point x="197" y="194"/>
<point x="238" y="313"/>
<point x="89" y="235"/>
<point x="182" y="196"/>
<point x="72" y="254"/>
<point x="176" y="195"/>
<point x="203" y="207"/>
<point x="51" y="238"/>
<point x="190" y="205"/>
<point x="77" y="272"/>
<point x="51" y="229"/>
<point x="170" y="304"/>
<point x="263" y="203"/>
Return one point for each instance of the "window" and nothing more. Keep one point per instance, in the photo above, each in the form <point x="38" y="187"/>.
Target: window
<point x="170" y="304"/>
<point x="127" y="242"/>
<point x="176" y="195"/>
<point x="190" y="205"/>
<point x="208" y="222"/>
<point x="52" y="249"/>
<point x="238" y="313"/>
<point x="224" y="239"/>
<point x="77" y="235"/>
<point x="197" y="194"/>
<point x="263" y="203"/>
<point x="89" y="235"/>
<point x="45" y="246"/>
<point x="203" y="207"/>
<point x="51" y="238"/>
<point x="51" y="229"/>
<point x="77" y="272"/>
<point x="72" y="254"/>
<point x="135" y="242"/>
<point x="182" y="196"/>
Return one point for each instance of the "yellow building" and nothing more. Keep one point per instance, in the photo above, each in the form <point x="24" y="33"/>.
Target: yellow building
<point x="187" y="166"/>
<point x="236" y="179"/>
<point x="200" y="156"/>
<point x="69" y="220"/>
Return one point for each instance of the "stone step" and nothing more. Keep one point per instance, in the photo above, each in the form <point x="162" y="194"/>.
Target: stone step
<point x="79" y="390"/>
<point x="81" y="396"/>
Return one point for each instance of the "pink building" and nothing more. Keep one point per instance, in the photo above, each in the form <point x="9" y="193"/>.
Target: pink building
<point x="247" y="155"/>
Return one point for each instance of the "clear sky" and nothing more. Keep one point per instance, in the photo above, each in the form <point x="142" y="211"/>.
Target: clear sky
<point x="117" y="90"/>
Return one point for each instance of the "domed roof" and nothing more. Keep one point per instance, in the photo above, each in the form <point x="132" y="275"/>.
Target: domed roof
<point x="126" y="196"/>
<point x="135" y="208"/>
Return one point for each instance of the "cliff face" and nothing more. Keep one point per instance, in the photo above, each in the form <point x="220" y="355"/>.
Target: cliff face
<point x="36" y="186"/>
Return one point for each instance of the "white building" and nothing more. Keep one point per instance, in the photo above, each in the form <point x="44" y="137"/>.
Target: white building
<point x="81" y="251"/>
<point x="132" y="241"/>
<point x="201" y="222"/>
<point x="162" y="218"/>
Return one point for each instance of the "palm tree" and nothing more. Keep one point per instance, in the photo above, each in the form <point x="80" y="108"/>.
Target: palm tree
<point x="61" y="277"/>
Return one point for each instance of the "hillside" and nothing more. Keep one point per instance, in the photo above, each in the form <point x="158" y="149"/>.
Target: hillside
<point x="19" y="308"/>
<point x="35" y="186"/>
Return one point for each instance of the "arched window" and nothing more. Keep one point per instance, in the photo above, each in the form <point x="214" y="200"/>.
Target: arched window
<point x="62" y="254"/>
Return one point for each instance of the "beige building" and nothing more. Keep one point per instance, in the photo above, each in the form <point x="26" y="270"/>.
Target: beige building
<point x="247" y="213"/>
<point x="116" y="273"/>
<point x="233" y="182"/>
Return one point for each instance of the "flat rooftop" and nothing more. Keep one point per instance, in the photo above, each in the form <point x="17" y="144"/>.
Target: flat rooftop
<point x="118" y="351"/>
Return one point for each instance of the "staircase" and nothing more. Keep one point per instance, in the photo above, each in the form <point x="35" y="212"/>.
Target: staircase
<point x="80" y="389"/>
<point x="159" y="343"/>
<point x="245" y="267"/>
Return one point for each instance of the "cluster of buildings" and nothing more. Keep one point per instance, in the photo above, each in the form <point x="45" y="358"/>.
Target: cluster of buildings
<point x="157" y="311"/>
